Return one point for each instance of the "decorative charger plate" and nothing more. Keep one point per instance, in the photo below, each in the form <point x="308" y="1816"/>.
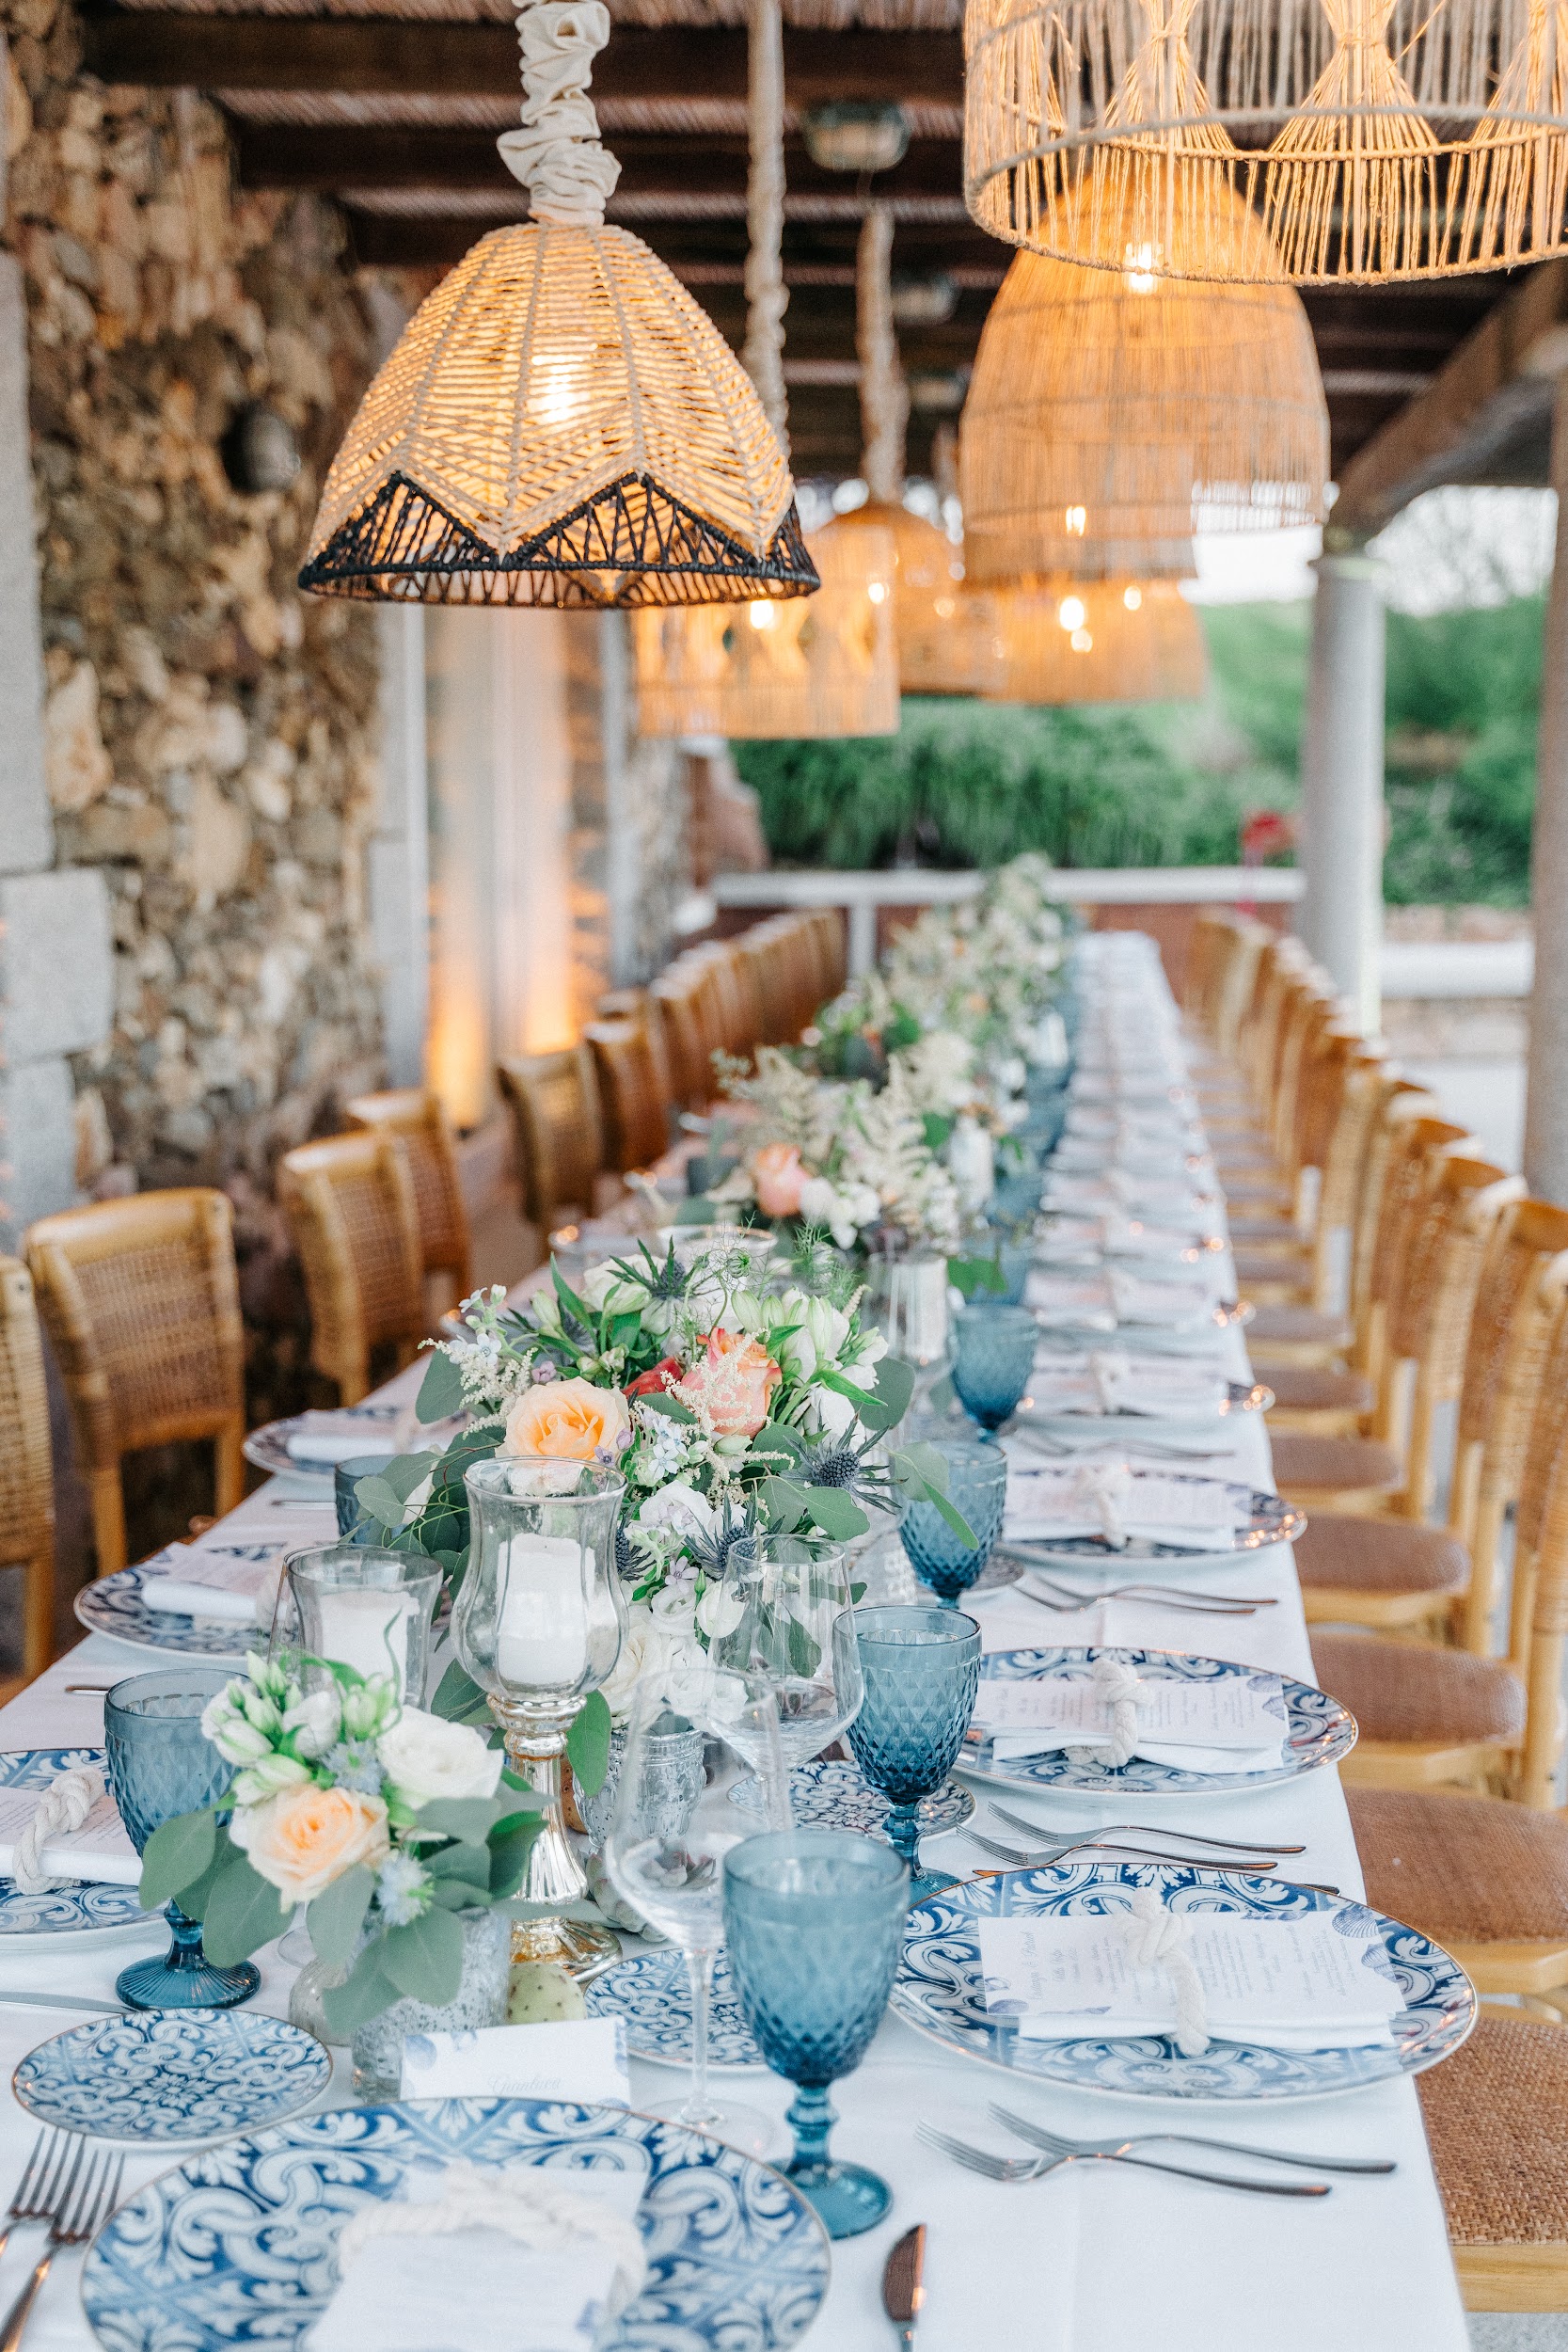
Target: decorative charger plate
<point x="164" y="2078"/>
<point x="651" y="1992"/>
<point x="939" y="1990"/>
<point x="235" y="2246"/>
<point x="1270" y="1520"/>
<point x="831" y="1792"/>
<point x="1322" y="1731"/>
<point x="114" y="1605"/>
<point x="1241" y="1396"/>
<point x="268" y="1447"/>
<point x="78" y="1908"/>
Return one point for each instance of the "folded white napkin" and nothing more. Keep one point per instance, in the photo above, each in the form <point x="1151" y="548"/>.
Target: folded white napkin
<point x="538" y="2257"/>
<point x="1111" y="1713"/>
<point x="1117" y="1190"/>
<point x="1320" y="1980"/>
<point x="1047" y="1504"/>
<point x="1105" y="1297"/>
<point x="326" y="1439"/>
<point x="232" y="1573"/>
<point x="96" y="1849"/>
<point x="1107" y="1381"/>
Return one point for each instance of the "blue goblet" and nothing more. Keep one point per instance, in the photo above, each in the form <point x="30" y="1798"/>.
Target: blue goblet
<point x="920" y="1669"/>
<point x="996" y="1359"/>
<point x="162" y="1763"/>
<point x="977" y="1489"/>
<point x="814" y="1923"/>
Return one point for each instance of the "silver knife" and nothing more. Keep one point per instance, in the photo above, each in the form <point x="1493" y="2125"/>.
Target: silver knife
<point x="902" y="2291"/>
<point x="60" y="2001"/>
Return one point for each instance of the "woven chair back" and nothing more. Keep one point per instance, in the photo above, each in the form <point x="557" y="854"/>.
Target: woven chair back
<point x="1281" y="966"/>
<point x="353" y="1214"/>
<point x="637" y="1005"/>
<point x="677" y="1000"/>
<point x="1407" y="1137"/>
<point x="415" y="1114"/>
<point x="636" y="1114"/>
<point x="27" y="1470"/>
<point x="1539" y="1596"/>
<point x="560" y="1129"/>
<point x="141" y="1302"/>
<point x="763" y="962"/>
<point x="834" y="933"/>
<point x="1309" y="1014"/>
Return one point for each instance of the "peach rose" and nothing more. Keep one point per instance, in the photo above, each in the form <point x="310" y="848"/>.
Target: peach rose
<point x="777" y="1177"/>
<point x="567" y="1421"/>
<point x="733" y="1381"/>
<point x="302" y="1840"/>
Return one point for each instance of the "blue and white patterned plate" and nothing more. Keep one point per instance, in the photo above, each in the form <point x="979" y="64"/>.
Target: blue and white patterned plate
<point x="831" y="1792"/>
<point x="164" y="2078"/>
<point x="79" y="1908"/>
<point x="940" y="1991"/>
<point x="235" y="2246"/>
<point x="1322" y="1731"/>
<point x="1270" y="1520"/>
<point x="114" y="1605"/>
<point x="268" y="1446"/>
<point x="651" y="1992"/>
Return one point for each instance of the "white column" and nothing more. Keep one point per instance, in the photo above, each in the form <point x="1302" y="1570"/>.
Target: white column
<point x="1546" y="1091"/>
<point x="1340" y="823"/>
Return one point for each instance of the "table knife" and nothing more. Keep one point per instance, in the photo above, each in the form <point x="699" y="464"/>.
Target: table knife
<point x="60" y="2001"/>
<point x="902" y="2291"/>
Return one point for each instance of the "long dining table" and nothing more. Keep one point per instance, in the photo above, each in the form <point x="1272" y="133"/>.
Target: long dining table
<point x="1096" y="2258"/>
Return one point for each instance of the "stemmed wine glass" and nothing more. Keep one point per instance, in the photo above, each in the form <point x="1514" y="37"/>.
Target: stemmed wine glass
<point x="922" y="1669"/>
<point x="776" y="1615"/>
<point x="701" y="1738"/>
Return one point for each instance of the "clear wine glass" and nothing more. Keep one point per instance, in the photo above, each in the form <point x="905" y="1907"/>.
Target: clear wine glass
<point x="775" y="1617"/>
<point x="700" y="1739"/>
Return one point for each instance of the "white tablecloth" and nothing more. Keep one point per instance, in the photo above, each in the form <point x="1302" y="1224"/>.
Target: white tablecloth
<point x="1091" y="2260"/>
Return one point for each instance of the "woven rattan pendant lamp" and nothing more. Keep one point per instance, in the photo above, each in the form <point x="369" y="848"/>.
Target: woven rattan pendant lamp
<point x="1374" y="138"/>
<point x="827" y="667"/>
<point x="559" y="423"/>
<point x="1068" y="641"/>
<point x="1110" y="411"/>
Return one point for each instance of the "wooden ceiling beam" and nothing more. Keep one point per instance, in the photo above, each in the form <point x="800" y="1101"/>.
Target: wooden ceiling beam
<point x="433" y="241"/>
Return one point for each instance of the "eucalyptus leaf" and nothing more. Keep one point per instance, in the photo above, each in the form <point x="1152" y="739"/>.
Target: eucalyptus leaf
<point x="177" y="1855"/>
<point x="467" y="1818"/>
<point x="458" y="1697"/>
<point x="379" y="1500"/>
<point x="193" y="1899"/>
<point x="364" y="1995"/>
<point x="242" y="1913"/>
<point x="466" y="1862"/>
<point x="921" y="1464"/>
<point x="894" y="1388"/>
<point x="509" y="1855"/>
<point x="661" y="1401"/>
<point x="457" y="1894"/>
<point x="440" y="1391"/>
<point x="783" y="1501"/>
<point x="338" y="1913"/>
<point x="405" y="1472"/>
<point x="805" y="1652"/>
<point x="587" y="1743"/>
<point x="424" y="1960"/>
<point x="835" y="1513"/>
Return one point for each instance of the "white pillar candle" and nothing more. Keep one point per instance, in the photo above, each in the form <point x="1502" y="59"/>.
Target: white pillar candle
<point x="367" y="1629"/>
<point x="541" y="1629"/>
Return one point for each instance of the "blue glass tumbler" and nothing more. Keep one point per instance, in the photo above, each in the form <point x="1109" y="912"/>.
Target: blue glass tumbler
<point x="921" y="1669"/>
<point x="162" y="1763"/>
<point x="814" y="1924"/>
<point x="977" y="1489"/>
<point x="996" y="1359"/>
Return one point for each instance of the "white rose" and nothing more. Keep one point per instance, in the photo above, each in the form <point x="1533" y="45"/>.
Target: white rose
<point x="681" y="1508"/>
<point x="719" y="1611"/>
<point x="425" y="1758"/>
<point x="652" y="1643"/>
<point x="316" y="1721"/>
<point x="830" y="1415"/>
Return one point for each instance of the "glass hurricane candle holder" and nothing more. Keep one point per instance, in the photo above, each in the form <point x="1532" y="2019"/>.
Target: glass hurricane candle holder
<point x="357" y="1605"/>
<point x="538" y="1626"/>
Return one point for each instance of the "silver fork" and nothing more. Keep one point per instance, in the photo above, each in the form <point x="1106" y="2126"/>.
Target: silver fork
<point x="1142" y="1829"/>
<point x="1057" y="2143"/>
<point x="1069" y="1603"/>
<point x="1069" y="1447"/>
<point x="82" y="2207"/>
<point x="1036" y="2167"/>
<point x="38" y="2191"/>
<point x="1099" y="1845"/>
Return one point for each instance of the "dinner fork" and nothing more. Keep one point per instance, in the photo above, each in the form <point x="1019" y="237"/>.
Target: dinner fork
<point x="1035" y="1861"/>
<point x="1069" y="1603"/>
<point x="80" y="2210"/>
<point x="38" y="2191"/>
<point x="1143" y="1829"/>
<point x="1036" y="2167"/>
<point x="1056" y="2143"/>
<point x="1069" y="1447"/>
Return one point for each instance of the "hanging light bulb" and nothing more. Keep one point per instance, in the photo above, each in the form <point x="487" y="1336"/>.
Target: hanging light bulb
<point x="559" y="423"/>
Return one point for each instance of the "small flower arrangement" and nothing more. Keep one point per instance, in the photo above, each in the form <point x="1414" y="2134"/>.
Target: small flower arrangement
<point x="382" y="1820"/>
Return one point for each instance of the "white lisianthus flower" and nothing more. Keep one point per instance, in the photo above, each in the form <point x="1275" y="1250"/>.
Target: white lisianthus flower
<point x="225" y="1723"/>
<point x="681" y="1508"/>
<point x="269" y="1777"/>
<point x="719" y="1611"/>
<point x="425" y="1757"/>
<point x="315" y="1722"/>
<point x="827" y="1326"/>
<point x="830" y="1415"/>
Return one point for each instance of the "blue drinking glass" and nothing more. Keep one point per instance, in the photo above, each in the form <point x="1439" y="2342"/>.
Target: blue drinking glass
<point x="920" y="1669"/>
<point x="994" y="1358"/>
<point x="814" y="1924"/>
<point x="162" y="1763"/>
<point x="977" y="1489"/>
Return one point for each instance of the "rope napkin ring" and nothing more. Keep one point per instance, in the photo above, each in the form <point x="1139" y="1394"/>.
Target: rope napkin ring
<point x="1159" y="1938"/>
<point x="1123" y="1693"/>
<point x="63" y="1808"/>
<point x="1108" y="1370"/>
<point x="1103" y="1488"/>
<point x="525" y="2204"/>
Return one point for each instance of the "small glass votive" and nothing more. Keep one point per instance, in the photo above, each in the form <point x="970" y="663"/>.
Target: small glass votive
<point x="353" y="1604"/>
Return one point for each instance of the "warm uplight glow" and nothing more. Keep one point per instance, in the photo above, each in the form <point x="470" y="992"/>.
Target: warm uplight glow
<point x="1071" y="612"/>
<point x="1076" y="521"/>
<point x="1132" y="598"/>
<point x="761" y="615"/>
<point x="1081" y="641"/>
<point x="877" y="590"/>
<point x="1138" y="270"/>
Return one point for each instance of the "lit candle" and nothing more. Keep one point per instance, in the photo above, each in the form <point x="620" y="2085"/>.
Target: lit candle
<point x="542" y="1632"/>
<point x="367" y="1630"/>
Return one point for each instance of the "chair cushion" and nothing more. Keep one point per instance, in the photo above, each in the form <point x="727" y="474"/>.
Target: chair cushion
<point x="1333" y="1465"/>
<point x="1312" y="1388"/>
<point x="1399" y="1691"/>
<point x="1497" y="2118"/>
<point x="1299" y="1326"/>
<point x="1463" y="1869"/>
<point x="1339" y="1554"/>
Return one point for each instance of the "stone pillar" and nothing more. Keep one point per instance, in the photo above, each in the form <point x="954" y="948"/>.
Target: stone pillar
<point x="399" y="876"/>
<point x="1341" y="820"/>
<point x="1546" y="1088"/>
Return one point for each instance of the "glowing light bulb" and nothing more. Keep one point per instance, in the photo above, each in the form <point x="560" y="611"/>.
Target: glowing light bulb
<point x="1132" y="598"/>
<point x="1081" y="641"/>
<point x="1076" y="521"/>
<point x="1139" y="270"/>
<point x="760" y="615"/>
<point x="1071" y="612"/>
<point x="877" y="590"/>
<point x="560" y="389"/>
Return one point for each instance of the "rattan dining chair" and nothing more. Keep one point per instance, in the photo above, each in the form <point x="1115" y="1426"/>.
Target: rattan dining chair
<point x="141" y="1303"/>
<point x="676" y="999"/>
<point x="1496" y="2123"/>
<point x="560" y="1131"/>
<point x="26" y="1470"/>
<point x="636" y="1005"/>
<point x="636" y="1114"/>
<point x="353" y="1214"/>
<point x="415" y="1114"/>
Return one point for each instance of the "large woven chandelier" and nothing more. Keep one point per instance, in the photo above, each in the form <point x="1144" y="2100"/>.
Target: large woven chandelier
<point x="1066" y="641"/>
<point x="1111" y="411"/>
<point x="559" y="423"/>
<point x="1372" y="138"/>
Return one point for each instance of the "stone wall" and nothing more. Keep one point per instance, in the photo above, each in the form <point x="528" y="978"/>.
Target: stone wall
<point x="210" y="734"/>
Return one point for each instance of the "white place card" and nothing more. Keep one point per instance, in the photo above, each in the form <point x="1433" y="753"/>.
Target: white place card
<point x="1197" y="1514"/>
<point x="582" y="2059"/>
<point x="98" y="1851"/>
<point x="1232" y="1711"/>
<point x="1300" y="1984"/>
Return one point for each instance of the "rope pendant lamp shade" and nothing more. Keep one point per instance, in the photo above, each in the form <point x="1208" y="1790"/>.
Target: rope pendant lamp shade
<point x="1372" y="138"/>
<point x="1110" y="410"/>
<point x="559" y="423"/>
<point x="1115" y="641"/>
<point x="824" y="667"/>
